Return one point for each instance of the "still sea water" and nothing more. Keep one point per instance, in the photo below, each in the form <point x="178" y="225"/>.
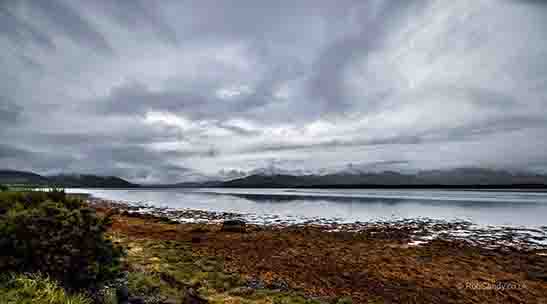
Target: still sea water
<point x="515" y="208"/>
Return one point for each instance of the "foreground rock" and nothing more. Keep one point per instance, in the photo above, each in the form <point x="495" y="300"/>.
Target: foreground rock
<point x="238" y="226"/>
<point x="192" y="297"/>
<point x="123" y="297"/>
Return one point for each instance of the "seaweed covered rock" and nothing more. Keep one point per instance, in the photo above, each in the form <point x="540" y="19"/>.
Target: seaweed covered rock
<point x="54" y="234"/>
<point x="234" y="226"/>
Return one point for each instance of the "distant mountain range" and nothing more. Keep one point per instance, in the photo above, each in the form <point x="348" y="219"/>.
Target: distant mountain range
<point x="12" y="177"/>
<point x="21" y="178"/>
<point x="454" y="178"/>
<point x="85" y="180"/>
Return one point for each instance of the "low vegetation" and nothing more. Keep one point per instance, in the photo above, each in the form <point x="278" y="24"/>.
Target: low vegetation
<point x="36" y="288"/>
<point x="164" y="269"/>
<point x="57" y="250"/>
<point x="57" y="236"/>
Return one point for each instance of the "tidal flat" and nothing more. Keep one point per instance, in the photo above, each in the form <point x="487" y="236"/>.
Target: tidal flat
<point x="410" y="261"/>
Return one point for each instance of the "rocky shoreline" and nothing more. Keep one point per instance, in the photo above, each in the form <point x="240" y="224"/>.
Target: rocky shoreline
<point x="402" y="261"/>
<point x="414" y="232"/>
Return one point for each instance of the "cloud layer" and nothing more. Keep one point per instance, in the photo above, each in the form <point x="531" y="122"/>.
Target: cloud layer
<point x="182" y="90"/>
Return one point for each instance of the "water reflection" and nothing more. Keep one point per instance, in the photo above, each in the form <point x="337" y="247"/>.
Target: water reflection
<point x="267" y="198"/>
<point x="481" y="207"/>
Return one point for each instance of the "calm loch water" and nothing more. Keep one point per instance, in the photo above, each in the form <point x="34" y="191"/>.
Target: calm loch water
<point x="515" y="208"/>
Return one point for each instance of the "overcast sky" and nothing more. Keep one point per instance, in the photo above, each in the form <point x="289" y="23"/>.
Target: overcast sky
<point x="166" y="91"/>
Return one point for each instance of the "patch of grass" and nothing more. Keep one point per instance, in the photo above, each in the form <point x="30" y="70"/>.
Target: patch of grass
<point x="144" y="283"/>
<point x="34" y="288"/>
<point x="109" y="297"/>
<point x="163" y="268"/>
<point x="263" y="296"/>
<point x="292" y="299"/>
<point x="344" y="300"/>
<point x="376" y="300"/>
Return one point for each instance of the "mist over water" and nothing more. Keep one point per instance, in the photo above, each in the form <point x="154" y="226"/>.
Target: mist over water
<point x="514" y="208"/>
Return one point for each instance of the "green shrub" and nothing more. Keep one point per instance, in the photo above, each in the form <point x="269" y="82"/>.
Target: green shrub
<point x="28" y="289"/>
<point x="57" y="235"/>
<point x="33" y="199"/>
<point x="3" y="188"/>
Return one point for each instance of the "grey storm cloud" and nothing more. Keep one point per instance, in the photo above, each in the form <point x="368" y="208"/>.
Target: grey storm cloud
<point x="168" y="91"/>
<point x="20" y="32"/>
<point x="136" y="15"/>
<point x="64" y="19"/>
<point x="9" y="112"/>
<point x="396" y="140"/>
<point x="9" y="151"/>
<point x="327" y="82"/>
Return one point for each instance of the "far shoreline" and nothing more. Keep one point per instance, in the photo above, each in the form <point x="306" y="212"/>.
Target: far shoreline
<point x="433" y="188"/>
